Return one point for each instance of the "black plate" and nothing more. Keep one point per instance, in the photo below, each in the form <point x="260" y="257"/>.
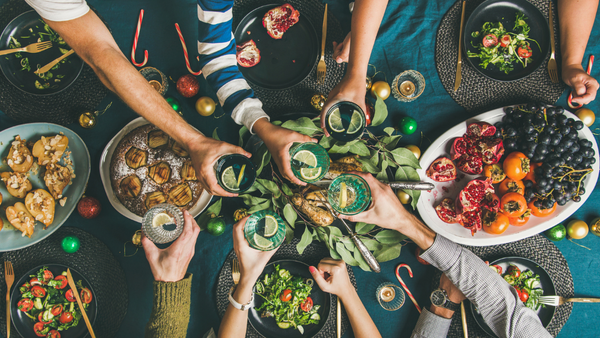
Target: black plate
<point x="505" y="11"/>
<point x="545" y="313"/>
<point x="284" y="62"/>
<point x="25" y="80"/>
<point x="24" y="324"/>
<point x="268" y="328"/>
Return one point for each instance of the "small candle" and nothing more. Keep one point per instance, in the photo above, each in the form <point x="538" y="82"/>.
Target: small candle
<point x="156" y="85"/>
<point x="407" y="88"/>
<point x="387" y="294"/>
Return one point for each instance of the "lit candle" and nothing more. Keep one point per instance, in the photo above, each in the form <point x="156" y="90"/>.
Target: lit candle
<point x="387" y="294"/>
<point x="156" y="85"/>
<point x="407" y="88"/>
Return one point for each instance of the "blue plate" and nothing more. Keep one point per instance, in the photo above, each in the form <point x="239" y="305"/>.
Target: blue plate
<point x="12" y="240"/>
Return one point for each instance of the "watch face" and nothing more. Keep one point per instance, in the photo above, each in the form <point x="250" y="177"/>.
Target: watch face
<point x="438" y="298"/>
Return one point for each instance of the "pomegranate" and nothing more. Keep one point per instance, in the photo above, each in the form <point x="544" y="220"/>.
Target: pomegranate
<point x="471" y="220"/>
<point x="492" y="150"/>
<point x="279" y="19"/>
<point x="459" y="148"/>
<point x="491" y="202"/>
<point x="470" y="164"/>
<point x="472" y="195"/>
<point x="446" y="211"/>
<point x="247" y="54"/>
<point x="442" y="170"/>
<point x="477" y="147"/>
<point x="480" y="129"/>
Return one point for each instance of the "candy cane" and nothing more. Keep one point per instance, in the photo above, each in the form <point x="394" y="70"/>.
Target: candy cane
<point x="404" y="285"/>
<point x="185" y="52"/>
<point x="589" y="71"/>
<point x="135" y="41"/>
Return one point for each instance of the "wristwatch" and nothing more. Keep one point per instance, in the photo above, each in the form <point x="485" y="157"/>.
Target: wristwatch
<point x="237" y="305"/>
<point x="439" y="298"/>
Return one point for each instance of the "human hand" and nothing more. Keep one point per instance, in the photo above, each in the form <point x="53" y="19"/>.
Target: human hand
<point x="252" y="261"/>
<point x="279" y="140"/>
<point x="336" y="281"/>
<point x="170" y="264"/>
<point x="584" y="86"/>
<point x="204" y="152"/>
<point x="351" y="88"/>
<point x="341" y="51"/>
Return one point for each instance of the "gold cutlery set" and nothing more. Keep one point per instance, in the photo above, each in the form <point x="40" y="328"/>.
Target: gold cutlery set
<point x="36" y="48"/>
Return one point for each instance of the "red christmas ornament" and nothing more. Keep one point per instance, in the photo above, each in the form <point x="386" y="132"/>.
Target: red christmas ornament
<point x="188" y="86"/>
<point x="369" y="113"/>
<point x="88" y="207"/>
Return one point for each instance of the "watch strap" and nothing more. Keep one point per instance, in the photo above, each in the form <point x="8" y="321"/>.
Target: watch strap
<point x="450" y="305"/>
<point x="237" y="305"/>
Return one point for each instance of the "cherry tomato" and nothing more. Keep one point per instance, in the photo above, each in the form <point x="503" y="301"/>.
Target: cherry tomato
<point x="56" y="310"/>
<point x="516" y="166"/>
<point x="513" y="204"/>
<point x="521" y="220"/>
<point x="495" y="172"/>
<point x="524" y="295"/>
<point x="24" y="288"/>
<point x="41" y="319"/>
<point x="539" y="212"/>
<point x="490" y="40"/>
<point x="53" y="334"/>
<point x="86" y="295"/>
<point x="63" y="280"/>
<point x="25" y="304"/>
<point x="69" y="296"/>
<point x="498" y="268"/>
<point x="307" y="305"/>
<point x="505" y="40"/>
<point x="510" y="185"/>
<point x="514" y="271"/>
<point x="531" y="175"/>
<point x="48" y="276"/>
<point x="38" y="291"/>
<point x="286" y="295"/>
<point x="525" y="53"/>
<point x="39" y="330"/>
<point x="66" y="317"/>
<point x="494" y="222"/>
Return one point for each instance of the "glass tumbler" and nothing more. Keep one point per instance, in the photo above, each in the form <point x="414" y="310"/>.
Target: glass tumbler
<point x="163" y="233"/>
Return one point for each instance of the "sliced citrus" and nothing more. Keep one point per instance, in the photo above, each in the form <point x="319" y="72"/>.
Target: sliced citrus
<point x="310" y="174"/>
<point x="356" y="122"/>
<point x="262" y="242"/>
<point x="161" y="219"/>
<point x="229" y="180"/>
<point x="271" y="226"/>
<point x="343" y="195"/>
<point x="307" y="157"/>
<point x="335" y="121"/>
<point x="241" y="175"/>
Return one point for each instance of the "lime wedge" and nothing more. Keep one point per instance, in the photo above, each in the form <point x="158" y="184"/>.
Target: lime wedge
<point x="335" y="121"/>
<point x="310" y="174"/>
<point x="355" y="123"/>
<point x="262" y="242"/>
<point x="343" y="195"/>
<point x="307" y="157"/>
<point x="241" y="175"/>
<point x="229" y="180"/>
<point x="271" y="226"/>
<point x="161" y="219"/>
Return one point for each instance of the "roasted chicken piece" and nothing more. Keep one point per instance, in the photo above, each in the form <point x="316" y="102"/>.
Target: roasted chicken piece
<point x="17" y="184"/>
<point x="21" y="219"/>
<point x="41" y="206"/>
<point x="342" y="166"/>
<point x="311" y="209"/>
<point x="50" y="149"/>
<point x="57" y="178"/>
<point x="19" y="157"/>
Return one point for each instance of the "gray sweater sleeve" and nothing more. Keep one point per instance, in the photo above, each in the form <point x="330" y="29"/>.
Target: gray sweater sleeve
<point x="431" y="325"/>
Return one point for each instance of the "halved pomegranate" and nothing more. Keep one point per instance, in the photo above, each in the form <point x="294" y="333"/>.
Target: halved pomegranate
<point x="480" y="129"/>
<point x="471" y="197"/>
<point x="471" y="220"/>
<point x="478" y="146"/>
<point x="446" y="211"/>
<point x="247" y="54"/>
<point x="442" y="170"/>
<point x="279" y="19"/>
<point x="491" y="202"/>
<point x="459" y="148"/>
<point x="470" y="164"/>
<point x="492" y="150"/>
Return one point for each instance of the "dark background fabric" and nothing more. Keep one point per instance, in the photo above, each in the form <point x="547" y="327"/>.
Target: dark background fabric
<point x="406" y="40"/>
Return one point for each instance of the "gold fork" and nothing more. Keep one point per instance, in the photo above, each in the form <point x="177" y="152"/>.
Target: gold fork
<point x="33" y="48"/>
<point x="321" y="67"/>
<point x="9" y="276"/>
<point x="552" y="69"/>
<point x="235" y="271"/>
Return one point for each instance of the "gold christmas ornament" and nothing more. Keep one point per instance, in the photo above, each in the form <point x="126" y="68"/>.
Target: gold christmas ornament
<point x="317" y="101"/>
<point x="87" y="120"/>
<point x="403" y="196"/>
<point x="586" y="115"/>
<point x="382" y="89"/>
<point x="137" y="238"/>
<point x="577" y="229"/>
<point x="205" y="106"/>
<point x="415" y="150"/>
<point x="595" y="226"/>
<point x="369" y="83"/>
<point x="239" y="214"/>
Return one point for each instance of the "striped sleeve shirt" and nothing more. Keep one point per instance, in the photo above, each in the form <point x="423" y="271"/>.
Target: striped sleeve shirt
<point x="216" y="46"/>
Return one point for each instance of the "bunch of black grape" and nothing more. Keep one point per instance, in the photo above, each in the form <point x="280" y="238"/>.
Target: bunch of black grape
<point x="544" y="134"/>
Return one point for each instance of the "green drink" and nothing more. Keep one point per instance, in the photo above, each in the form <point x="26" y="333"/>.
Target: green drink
<point x="310" y="161"/>
<point x="345" y="121"/>
<point x="349" y="194"/>
<point x="235" y="173"/>
<point x="264" y="230"/>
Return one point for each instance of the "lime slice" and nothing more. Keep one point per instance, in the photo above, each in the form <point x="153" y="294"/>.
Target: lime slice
<point x="343" y="195"/>
<point x="229" y="180"/>
<point x="241" y="175"/>
<point x="310" y="174"/>
<point x="262" y="242"/>
<point x="355" y="123"/>
<point x="307" y="157"/>
<point x="161" y="219"/>
<point x="271" y="226"/>
<point x="335" y="121"/>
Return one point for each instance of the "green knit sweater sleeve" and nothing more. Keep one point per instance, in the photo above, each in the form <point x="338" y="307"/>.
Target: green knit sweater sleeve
<point x="171" y="309"/>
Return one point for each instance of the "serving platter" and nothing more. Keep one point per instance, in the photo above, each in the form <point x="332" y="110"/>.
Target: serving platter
<point x="455" y="232"/>
<point x="11" y="239"/>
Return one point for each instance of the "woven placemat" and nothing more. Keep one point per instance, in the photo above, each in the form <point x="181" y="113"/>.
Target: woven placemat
<point x="297" y="98"/>
<point x="93" y="260"/>
<point x="478" y="93"/>
<point x="311" y="256"/>
<point x="64" y="107"/>
<point x="538" y="249"/>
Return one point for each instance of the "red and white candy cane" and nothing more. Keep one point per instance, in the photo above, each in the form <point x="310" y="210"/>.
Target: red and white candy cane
<point x="589" y="71"/>
<point x="185" y="52"/>
<point x="404" y="285"/>
<point x="135" y="41"/>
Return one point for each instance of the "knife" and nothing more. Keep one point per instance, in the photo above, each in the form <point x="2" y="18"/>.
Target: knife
<point x="299" y="164"/>
<point x="76" y="294"/>
<point x="53" y="63"/>
<point x="394" y="185"/>
<point x="459" y="63"/>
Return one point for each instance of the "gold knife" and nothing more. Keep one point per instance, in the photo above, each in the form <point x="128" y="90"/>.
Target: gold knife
<point x="463" y="316"/>
<point x="76" y="294"/>
<point x="459" y="63"/>
<point x="53" y="63"/>
<point x="339" y="318"/>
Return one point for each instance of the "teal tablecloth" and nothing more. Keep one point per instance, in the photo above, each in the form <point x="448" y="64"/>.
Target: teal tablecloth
<point x="406" y="41"/>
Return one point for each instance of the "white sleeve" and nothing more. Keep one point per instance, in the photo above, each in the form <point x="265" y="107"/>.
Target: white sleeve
<point x="59" y="10"/>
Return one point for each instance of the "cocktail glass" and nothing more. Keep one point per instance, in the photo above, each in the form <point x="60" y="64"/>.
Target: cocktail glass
<point x="264" y="230"/>
<point x="390" y="296"/>
<point x="235" y="173"/>
<point x="163" y="223"/>
<point x="312" y="155"/>
<point x="349" y="194"/>
<point x="345" y="121"/>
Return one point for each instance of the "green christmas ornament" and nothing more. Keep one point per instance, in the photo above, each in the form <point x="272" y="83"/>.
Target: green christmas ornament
<point x="216" y="226"/>
<point x="70" y="244"/>
<point x="174" y="104"/>
<point x="557" y="233"/>
<point x="407" y="125"/>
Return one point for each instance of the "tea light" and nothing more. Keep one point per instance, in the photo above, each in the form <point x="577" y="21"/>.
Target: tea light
<point x="387" y="294"/>
<point x="407" y="88"/>
<point x="390" y="296"/>
<point x="156" y="85"/>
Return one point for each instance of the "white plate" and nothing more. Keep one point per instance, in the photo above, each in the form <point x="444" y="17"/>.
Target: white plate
<point x="457" y="233"/>
<point x="107" y="154"/>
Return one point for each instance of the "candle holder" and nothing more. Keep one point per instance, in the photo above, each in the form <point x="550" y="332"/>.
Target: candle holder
<point x="156" y="79"/>
<point x="408" y="86"/>
<point x="390" y="296"/>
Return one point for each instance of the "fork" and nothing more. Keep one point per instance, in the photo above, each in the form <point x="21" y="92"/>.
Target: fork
<point x="552" y="68"/>
<point x="235" y="271"/>
<point x="9" y="276"/>
<point x="321" y="67"/>
<point x="559" y="300"/>
<point x="33" y="48"/>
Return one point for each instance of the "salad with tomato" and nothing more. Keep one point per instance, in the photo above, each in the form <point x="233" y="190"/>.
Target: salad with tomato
<point x="504" y="48"/>
<point x="525" y="282"/>
<point x="287" y="299"/>
<point x="51" y="304"/>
